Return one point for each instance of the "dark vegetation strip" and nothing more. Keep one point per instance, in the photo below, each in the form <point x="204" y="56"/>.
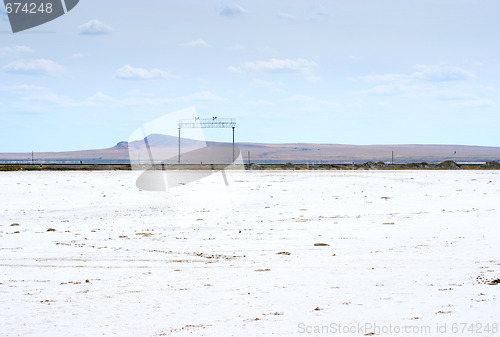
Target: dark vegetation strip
<point x="446" y="165"/>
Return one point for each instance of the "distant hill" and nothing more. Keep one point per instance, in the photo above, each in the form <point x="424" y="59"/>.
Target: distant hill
<point x="165" y="147"/>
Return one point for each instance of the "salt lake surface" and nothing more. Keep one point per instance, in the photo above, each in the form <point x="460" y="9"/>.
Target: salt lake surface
<point x="95" y="256"/>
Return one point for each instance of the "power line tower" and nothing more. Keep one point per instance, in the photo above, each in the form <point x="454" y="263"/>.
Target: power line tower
<point x="205" y="123"/>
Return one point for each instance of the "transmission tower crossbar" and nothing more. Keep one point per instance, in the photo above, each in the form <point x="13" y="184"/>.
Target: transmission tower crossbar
<point x="205" y="123"/>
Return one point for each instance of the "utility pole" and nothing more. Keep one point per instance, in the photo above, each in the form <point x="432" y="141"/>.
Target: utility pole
<point x="392" y="161"/>
<point x="233" y="145"/>
<point x="179" y="158"/>
<point x="248" y="157"/>
<point x="32" y="158"/>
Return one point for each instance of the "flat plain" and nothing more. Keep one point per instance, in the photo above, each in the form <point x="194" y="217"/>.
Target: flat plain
<point x="280" y="253"/>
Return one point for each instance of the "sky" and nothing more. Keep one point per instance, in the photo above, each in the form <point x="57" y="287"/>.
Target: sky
<point x="339" y="72"/>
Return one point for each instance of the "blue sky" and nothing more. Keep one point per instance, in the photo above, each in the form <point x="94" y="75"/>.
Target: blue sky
<point x="345" y="72"/>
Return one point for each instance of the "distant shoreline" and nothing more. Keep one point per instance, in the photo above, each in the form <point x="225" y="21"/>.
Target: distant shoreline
<point x="446" y="165"/>
<point x="165" y="149"/>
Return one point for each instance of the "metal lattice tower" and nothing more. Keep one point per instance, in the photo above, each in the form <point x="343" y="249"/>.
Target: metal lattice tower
<point x="205" y="123"/>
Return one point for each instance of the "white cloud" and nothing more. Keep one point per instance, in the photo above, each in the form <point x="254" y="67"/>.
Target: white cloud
<point x="233" y="10"/>
<point x="236" y="70"/>
<point x="441" y="73"/>
<point x="266" y="84"/>
<point x="148" y="99"/>
<point x="32" y="93"/>
<point x="449" y="94"/>
<point x="311" y="13"/>
<point x="195" y="43"/>
<point x="34" y="67"/>
<point x="94" y="27"/>
<point x="22" y="88"/>
<point x="300" y="65"/>
<point x="317" y="16"/>
<point x="77" y="55"/>
<point x="130" y="73"/>
<point x="15" y="51"/>
<point x="99" y="99"/>
<point x="284" y="66"/>
<point x="441" y="81"/>
<point x="430" y="73"/>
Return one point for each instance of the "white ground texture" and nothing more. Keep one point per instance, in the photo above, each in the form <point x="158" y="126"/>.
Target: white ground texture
<point x="408" y="253"/>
